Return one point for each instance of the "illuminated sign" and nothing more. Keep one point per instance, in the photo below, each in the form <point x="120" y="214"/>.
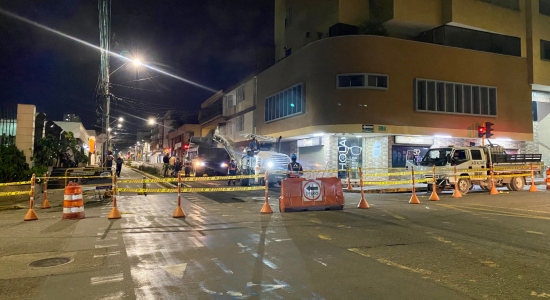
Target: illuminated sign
<point x="309" y="142"/>
<point x="413" y="140"/>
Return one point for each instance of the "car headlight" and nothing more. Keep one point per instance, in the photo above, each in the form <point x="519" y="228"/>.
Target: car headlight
<point x="203" y="164"/>
<point x="270" y="164"/>
<point x="224" y="165"/>
<point x="198" y="163"/>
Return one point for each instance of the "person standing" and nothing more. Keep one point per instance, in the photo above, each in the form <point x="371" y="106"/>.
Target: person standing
<point x="177" y="166"/>
<point x="187" y="166"/>
<point x="232" y="171"/>
<point x="109" y="162"/>
<point x="119" y="162"/>
<point x="294" y="168"/>
<point x="166" y="161"/>
<point x="172" y="163"/>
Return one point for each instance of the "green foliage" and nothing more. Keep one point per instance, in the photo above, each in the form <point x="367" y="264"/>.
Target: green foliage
<point x="150" y="170"/>
<point x="49" y="150"/>
<point x="38" y="170"/>
<point x="13" y="166"/>
<point x="372" y="28"/>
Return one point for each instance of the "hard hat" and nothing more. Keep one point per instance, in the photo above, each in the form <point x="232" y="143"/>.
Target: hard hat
<point x="293" y="156"/>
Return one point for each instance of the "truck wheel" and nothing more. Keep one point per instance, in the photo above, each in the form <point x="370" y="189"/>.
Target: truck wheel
<point x="463" y="185"/>
<point x="517" y="183"/>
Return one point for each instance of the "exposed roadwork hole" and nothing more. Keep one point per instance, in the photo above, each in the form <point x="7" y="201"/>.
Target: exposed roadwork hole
<point x="51" y="262"/>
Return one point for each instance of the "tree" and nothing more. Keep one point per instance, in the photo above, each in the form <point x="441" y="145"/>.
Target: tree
<point x="13" y="165"/>
<point x="50" y="150"/>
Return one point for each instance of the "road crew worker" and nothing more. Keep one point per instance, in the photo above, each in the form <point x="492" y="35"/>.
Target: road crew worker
<point x="232" y="171"/>
<point x="294" y="168"/>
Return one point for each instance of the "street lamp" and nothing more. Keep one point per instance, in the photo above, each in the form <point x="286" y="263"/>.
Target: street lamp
<point x="137" y="62"/>
<point x="119" y="125"/>
<point x="151" y="121"/>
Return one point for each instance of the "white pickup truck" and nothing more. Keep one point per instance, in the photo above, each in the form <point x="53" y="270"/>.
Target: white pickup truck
<point x="476" y="163"/>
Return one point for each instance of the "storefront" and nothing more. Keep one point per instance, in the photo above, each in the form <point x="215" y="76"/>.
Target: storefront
<point x="408" y="148"/>
<point x="311" y="153"/>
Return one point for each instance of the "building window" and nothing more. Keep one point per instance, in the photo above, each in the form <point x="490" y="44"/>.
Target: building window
<point x="544" y="50"/>
<point x="287" y="103"/>
<point x="240" y="94"/>
<point x="455" y="98"/>
<point x="288" y="17"/>
<point x="240" y="124"/>
<point x="511" y="4"/>
<point x="369" y="81"/>
<point x="229" y="128"/>
<point x="229" y="101"/>
<point x="544" y="7"/>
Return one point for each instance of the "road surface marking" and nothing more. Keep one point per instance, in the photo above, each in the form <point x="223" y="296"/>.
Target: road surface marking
<point x="222" y="266"/>
<point x="541" y="295"/>
<point x="390" y="263"/>
<point x="105" y="246"/>
<point x="282" y="240"/>
<point x="535" y="232"/>
<point x="493" y="212"/>
<point x="196" y="242"/>
<point x="512" y="208"/>
<point x="325" y="237"/>
<point x="208" y="291"/>
<point x="108" y="254"/>
<point x="176" y="270"/>
<point x="106" y="239"/>
<point x="267" y="287"/>
<point x="265" y="261"/>
<point x="319" y="261"/>
<point x="107" y="279"/>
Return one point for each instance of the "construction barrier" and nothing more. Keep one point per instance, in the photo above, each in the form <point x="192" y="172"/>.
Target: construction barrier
<point x="548" y="179"/>
<point x="73" y="204"/>
<point x="299" y="194"/>
<point x="31" y="215"/>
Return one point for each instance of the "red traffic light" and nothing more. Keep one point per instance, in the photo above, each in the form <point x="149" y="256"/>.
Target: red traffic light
<point x="186" y="147"/>
<point x="481" y="130"/>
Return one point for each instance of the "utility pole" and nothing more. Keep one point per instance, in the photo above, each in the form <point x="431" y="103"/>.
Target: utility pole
<point x="104" y="7"/>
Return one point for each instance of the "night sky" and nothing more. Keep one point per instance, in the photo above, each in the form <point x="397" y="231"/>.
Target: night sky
<point x="212" y="42"/>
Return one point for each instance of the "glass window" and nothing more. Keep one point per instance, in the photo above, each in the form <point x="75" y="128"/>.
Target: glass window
<point x="375" y="81"/>
<point x="467" y="99"/>
<point x="459" y="108"/>
<point x="421" y="95"/>
<point x="431" y="96"/>
<point x="285" y="103"/>
<point x="484" y="101"/>
<point x="476" y="154"/>
<point x="544" y="7"/>
<point x="476" y="100"/>
<point x="351" y="81"/>
<point x="544" y="50"/>
<point x="493" y="102"/>
<point x="450" y="97"/>
<point x="440" y="96"/>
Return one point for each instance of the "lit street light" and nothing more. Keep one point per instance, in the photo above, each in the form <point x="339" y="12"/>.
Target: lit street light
<point x="120" y="119"/>
<point x="151" y="121"/>
<point x="137" y="62"/>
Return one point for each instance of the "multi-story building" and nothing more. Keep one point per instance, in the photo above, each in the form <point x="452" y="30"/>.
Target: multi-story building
<point x="239" y="109"/>
<point x="362" y="82"/>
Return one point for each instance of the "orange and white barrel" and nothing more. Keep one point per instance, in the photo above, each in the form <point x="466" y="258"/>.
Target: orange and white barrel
<point x="73" y="204"/>
<point x="548" y="179"/>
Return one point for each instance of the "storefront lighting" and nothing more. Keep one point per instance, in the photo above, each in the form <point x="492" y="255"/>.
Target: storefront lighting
<point x="443" y="136"/>
<point x="319" y="134"/>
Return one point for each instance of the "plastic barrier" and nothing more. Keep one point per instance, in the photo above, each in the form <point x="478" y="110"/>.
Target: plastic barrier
<point x="548" y="179"/>
<point x="299" y="194"/>
<point x="73" y="204"/>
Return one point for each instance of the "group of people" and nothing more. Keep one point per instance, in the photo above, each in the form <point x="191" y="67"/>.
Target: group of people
<point x="118" y="161"/>
<point x="175" y="165"/>
<point x="294" y="169"/>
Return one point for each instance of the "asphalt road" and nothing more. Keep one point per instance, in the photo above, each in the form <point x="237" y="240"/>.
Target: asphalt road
<point x="476" y="247"/>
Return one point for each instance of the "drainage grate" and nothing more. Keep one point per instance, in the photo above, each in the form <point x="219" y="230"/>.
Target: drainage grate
<point x="50" y="262"/>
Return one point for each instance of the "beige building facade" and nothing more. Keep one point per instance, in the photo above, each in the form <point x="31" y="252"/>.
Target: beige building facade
<point x="440" y="69"/>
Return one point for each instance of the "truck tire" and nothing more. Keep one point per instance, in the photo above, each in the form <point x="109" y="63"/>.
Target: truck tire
<point x="517" y="184"/>
<point x="464" y="185"/>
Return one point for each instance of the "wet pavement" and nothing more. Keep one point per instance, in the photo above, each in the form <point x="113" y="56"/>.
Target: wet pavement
<point x="476" y="247"/>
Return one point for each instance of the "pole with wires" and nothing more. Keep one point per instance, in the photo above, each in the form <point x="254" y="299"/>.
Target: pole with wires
<point x="104" y="7"/>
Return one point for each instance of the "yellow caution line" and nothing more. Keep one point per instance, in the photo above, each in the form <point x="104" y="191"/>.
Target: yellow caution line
<point x="75" y="176"/>
<point x="183" y="179"/>
<point x="193" y="190"/>
<point x="15" y="183"/>
<point x="395" y="182"/>
<point x="2" y="194"/>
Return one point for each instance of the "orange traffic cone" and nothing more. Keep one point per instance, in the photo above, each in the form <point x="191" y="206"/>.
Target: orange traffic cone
<point x="434" y="196"/>
<point x="45" y="203"/>
<point x="456" y="193"/>
<point x="266" y="209"/>
<point x="493" y="188"/>
<point x="349" y="183"/>
<point x="533" y="187"/>
<point x="31" y="215"/>
<point x="363" y="203"/>
<point x="414" y="199"/>
<point x="178" y="213"/>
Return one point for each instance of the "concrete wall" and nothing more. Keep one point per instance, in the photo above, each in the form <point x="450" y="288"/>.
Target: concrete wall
<point x="24" y="139"/>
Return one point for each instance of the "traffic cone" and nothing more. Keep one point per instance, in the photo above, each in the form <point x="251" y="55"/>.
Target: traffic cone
<point x="114" y="214"/>
<point x="456" y="193"/>
<point x="266" y="209"/>
<point x="31" y="215"/>
<point x="493" y="188"/>
<point x="414" y="199"/>
<point x="178" y="213"/>
<point x="363" y="203"/>
<point x="45" y="203"/>
<point x="533" y="187"/>
<point x="434" y="196"/>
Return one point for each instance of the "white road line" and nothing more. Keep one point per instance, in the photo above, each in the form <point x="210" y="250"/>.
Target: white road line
<point x="535" y="232"/>
<point x="319" y="261"/>
<point x="107" y="279"/>
<point x="222" y="266"/>
<point x="196" y="242"/>
<point x="105" y="246"/>
<point x="167" y="257"/>
<point x="108" y="254"/>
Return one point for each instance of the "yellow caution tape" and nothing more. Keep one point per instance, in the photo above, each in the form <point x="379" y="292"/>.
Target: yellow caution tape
<point x="211" y="178"/>
<point x="395" y="182"/>
<point x="76" y="176"/>
<point x="526" y="166"/>
<point x="2" y="194"/>
<point x="193" y="190"/>
<point x="15" y="183"/>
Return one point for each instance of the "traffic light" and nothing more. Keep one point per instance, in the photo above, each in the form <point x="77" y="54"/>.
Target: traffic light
<point x="481" y="131"/>
<point x="489" y="129"/>
<point x="185" y="147"/>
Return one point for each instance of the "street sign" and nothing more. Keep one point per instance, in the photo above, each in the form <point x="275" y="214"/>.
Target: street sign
<point x="311" y="190"/>
<point x="102" y="138"/>
<point x="368" y="128"/>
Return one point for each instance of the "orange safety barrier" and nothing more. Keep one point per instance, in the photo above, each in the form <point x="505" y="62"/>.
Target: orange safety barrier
<point x="178" y="213"/>
<point x="533" y="187"/>
<point x="73" y="204"/>
<point x="299" y="194"/>
<point x="31" y="215"/>
<point x="114" y="213"/>
<point x="548" y="179"/>
<point x="45" y="202"/>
